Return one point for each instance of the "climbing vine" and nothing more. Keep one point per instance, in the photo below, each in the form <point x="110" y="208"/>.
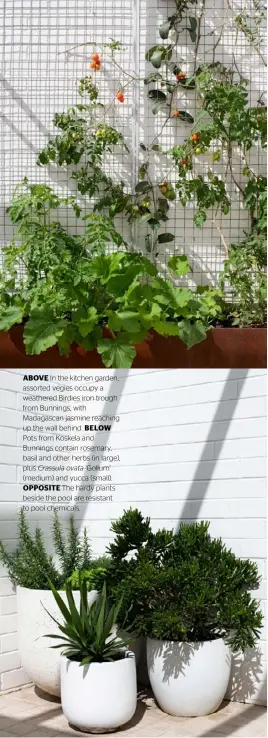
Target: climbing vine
<point x="225" y="125"/>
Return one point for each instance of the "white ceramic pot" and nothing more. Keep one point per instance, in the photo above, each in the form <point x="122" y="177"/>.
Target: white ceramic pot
<point x="41" y="663"/>
<point x="99" y="697"/>
<point x="189" y="679"/>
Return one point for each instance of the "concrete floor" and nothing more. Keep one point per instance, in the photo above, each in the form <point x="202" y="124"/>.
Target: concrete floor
<point x="31" y="713"/>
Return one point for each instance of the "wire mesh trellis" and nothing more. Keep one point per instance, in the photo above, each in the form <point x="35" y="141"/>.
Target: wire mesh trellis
<point x="38" y="78"/>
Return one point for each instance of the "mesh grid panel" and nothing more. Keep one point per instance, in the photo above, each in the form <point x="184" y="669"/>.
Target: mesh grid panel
<point x="38" y="78"/>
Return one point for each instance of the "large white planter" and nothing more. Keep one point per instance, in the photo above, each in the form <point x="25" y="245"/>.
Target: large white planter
<point x="41" y="663"/>
<point x="99" y="697"/>
<point x="188" y="679"/>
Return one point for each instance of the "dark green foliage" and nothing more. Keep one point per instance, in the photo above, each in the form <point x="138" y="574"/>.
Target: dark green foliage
<point x="31" y="566"/>
<point x="132" y="532"/>
<point x="134" y="542"/>
<point x="85" y="630"/>
<point x="185" y="586"/>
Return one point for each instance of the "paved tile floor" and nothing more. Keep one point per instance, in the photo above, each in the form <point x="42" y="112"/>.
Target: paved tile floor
<point x="28" y="712"/>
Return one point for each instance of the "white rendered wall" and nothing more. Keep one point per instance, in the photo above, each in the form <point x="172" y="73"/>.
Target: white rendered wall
<point x="192" y="447"/>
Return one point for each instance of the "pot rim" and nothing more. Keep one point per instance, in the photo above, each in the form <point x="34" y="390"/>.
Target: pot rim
<point x="185" y="643"/>
<point x="33" y="589"/>
<point x="97" y="664"/>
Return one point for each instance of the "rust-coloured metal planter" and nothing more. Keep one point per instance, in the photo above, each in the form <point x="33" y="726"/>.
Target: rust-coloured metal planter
<point x="230" y="348"/>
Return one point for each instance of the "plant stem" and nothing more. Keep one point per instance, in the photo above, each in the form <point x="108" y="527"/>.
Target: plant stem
<point x="224" y="244"/>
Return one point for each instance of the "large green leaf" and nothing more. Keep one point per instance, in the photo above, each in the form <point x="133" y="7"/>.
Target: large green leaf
<point x="142" y="187"/>
<point x="192" y="333"/>
<point x="179" y="265"/>
<point x="129" y="321"/>
<point x="10" y="316"/>
<point x="86" y="320"/>
<point x="76" y="620"/>
<point x="166" y="328"/>
<point x="117" y="353"/>
<point x="156" y="59"/>
<point x="67" y="338"/>
<point x="166" y="26"/>
<point x="61" y="604"/>
<point x="42" y="331"/>
<point x="101" y="614"/>
<point x="90" y="341"/>
<point x="193" y="27"/>
<point x="157" y="95"/>
<point x="165" y="237"/>
<point x="183" y="297"/>
<point x="152" y="77"/>
<point x="157" y="106"/>
<point x="186" y="116"/>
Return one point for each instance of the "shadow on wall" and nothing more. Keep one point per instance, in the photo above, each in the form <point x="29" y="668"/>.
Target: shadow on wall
<point x="102" y="437"/>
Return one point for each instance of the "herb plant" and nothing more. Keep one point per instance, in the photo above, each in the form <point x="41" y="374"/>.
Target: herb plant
<point x="87" y="633"/>
<point x="31" y="566"/>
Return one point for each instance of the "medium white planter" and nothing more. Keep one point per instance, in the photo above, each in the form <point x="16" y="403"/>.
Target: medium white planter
<point x="99" y="697"/>
<point x="189" y="679"/>
<point x="41" y="663"/>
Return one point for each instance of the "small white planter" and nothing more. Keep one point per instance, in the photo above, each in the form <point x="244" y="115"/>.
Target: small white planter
<point x="189" y="679"/>
<point x="41" y="663"/>
<point x="99" y="697"/>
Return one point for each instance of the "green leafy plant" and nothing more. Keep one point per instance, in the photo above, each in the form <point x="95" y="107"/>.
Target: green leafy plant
<point x="74" y="290"/>
<point x="94" y="576"/>
<point x="245" y="274"/>
<point x="186" y="586"/>
<point x="87" y="633"/>
<point x="30" y="565"/>
<point x="245" y="269"/>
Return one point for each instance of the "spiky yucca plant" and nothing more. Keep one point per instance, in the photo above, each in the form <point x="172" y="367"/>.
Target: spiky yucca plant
<point x="87" y="632"/>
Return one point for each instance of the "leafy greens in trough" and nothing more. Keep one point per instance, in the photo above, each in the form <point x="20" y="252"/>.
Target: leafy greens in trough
<point x="73" y="289"/>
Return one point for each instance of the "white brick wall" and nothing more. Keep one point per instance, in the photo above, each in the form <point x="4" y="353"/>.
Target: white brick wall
<point x="192" y="446"/>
